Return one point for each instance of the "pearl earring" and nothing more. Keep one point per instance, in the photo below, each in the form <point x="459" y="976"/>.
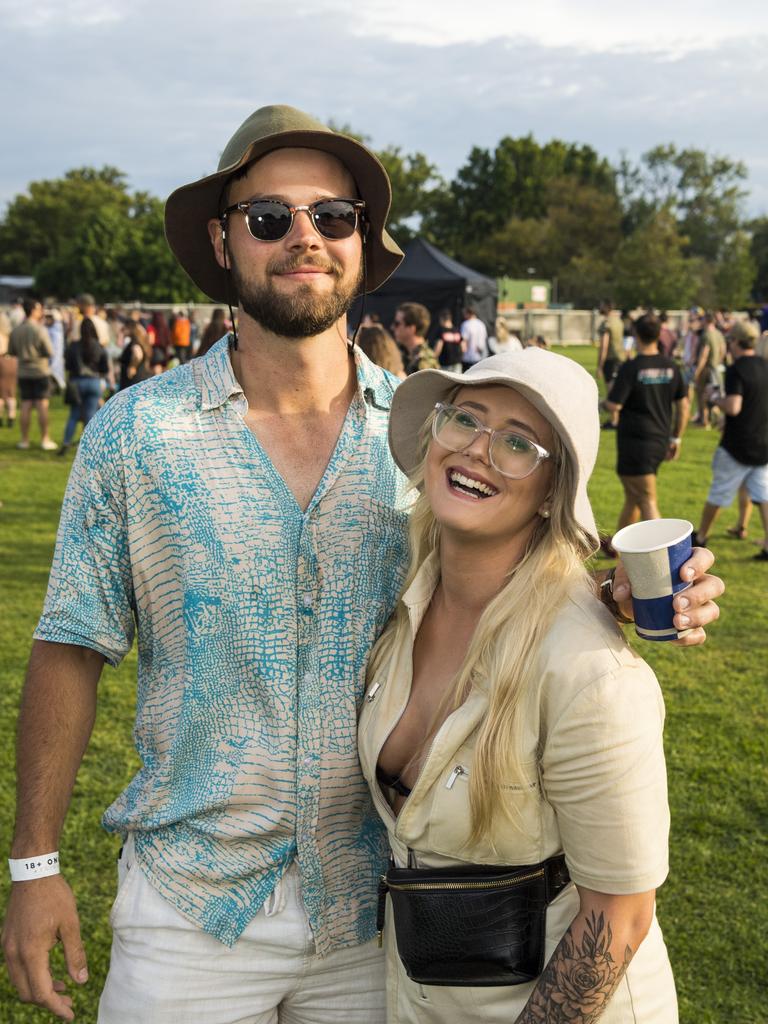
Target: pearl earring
<point x="544" y="513"/>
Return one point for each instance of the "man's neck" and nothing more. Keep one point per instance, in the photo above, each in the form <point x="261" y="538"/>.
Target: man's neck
<point x="648" y="350"/>
<point x="293" y="375"/>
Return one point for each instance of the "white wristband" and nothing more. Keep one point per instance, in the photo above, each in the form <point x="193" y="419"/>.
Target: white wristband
<point x="27" y="868"/>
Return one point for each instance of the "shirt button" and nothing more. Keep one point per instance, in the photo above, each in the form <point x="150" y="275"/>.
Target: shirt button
<point x="307" y="760"/>
<point x="307" y="678"/>
<point x="306" y="599"/>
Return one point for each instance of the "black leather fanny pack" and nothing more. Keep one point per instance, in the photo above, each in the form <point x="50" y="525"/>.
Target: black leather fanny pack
<point x="472" y="925"/>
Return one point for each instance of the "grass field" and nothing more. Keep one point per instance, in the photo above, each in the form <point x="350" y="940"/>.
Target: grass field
<point x="712" y="907"/>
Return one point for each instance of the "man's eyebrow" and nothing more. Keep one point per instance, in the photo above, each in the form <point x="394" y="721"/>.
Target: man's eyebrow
<point x="281" y="198"/>
<point x="510" y="422"/>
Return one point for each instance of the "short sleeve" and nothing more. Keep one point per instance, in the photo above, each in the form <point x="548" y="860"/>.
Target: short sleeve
<point x="733" y="382"/>
<point x="622" y="386"/>
<point x="680" y="390"/>
<point x="90" y="598"/>
<point x="604" y="775"/>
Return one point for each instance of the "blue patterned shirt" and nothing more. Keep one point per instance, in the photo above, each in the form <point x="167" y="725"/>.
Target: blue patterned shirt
<point x="254" y="622"/>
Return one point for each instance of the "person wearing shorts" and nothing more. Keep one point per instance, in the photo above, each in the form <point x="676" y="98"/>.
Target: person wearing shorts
<point x="610" y="339"/>
<point x="651" y="400"/>
<point x="741" y="458"/>
<point x="30" y="344"/>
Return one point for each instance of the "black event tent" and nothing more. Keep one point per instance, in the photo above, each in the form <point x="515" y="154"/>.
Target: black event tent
<point x="428" y="276"/>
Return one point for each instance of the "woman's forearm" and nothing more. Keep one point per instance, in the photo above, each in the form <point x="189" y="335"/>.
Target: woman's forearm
<point x="590" y="960"/>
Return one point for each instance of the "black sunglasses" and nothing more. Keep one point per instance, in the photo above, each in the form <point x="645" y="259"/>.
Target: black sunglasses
<point x="269" y="220"/>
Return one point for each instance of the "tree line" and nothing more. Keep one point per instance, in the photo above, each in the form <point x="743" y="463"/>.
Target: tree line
<point x="668" y="230"/>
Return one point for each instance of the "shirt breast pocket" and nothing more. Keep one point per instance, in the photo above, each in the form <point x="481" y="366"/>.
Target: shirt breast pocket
<point x="516" y="832"/>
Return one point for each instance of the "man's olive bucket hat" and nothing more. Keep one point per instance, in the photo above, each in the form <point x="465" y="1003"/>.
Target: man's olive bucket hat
<point x="190" y="207"/>
<point x="561" y="390"/>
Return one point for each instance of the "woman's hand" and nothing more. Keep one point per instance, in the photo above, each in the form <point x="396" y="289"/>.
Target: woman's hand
<point x="694" y="608"/>
<point x="590" y="960"/>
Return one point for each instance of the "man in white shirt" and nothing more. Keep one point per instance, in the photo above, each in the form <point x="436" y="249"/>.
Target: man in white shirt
<point x="474" y="334"/>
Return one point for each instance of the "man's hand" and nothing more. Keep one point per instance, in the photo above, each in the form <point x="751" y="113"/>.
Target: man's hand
<point x="673" y="451"/>
<point x="694" y="608"/>
<point x="41" y="913"/>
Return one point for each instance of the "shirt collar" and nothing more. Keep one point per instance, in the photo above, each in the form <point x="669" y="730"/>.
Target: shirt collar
<point x="215" y="376"/>
<point x="418" y="595"/>
<point x="217" y="382"/>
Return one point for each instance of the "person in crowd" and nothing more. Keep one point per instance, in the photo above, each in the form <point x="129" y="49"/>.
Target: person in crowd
<point x="380" y="347"/>
<point x="87" y="309"/>
<point x="741" y="458"/>
<point x="628" y="334"/>
<point x="474" y="335"/>
<point x="30" y="344"/>
<point x="9" y="373"/>
<point x="507" y="721"/>
<point x="243" y="515"/>
<point x="136" y="358"/>
<point x="181" y="336"/>
<point x="194" y="332"/>
<point x="691" y="347"/>
<point x="160" y="339"/>
<point x="17" y="315"/>
<point x="449" y="346"/>
<point x="610" y="340"/>
<point x="505" y="339"/>
<point x="708" y="378"/>
<point x="668" y="337"/>
<point x="651" y="399"/>
<point x="214" y="331"/>
<point x="410" y="327"/>
<point x="87" y="365"/>
<point x="55" y="327"/>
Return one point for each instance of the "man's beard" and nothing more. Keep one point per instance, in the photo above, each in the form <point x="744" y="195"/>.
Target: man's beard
<point x="304" y="313"/>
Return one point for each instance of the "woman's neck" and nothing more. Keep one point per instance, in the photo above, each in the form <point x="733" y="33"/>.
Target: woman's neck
<point x="473" y="572"/>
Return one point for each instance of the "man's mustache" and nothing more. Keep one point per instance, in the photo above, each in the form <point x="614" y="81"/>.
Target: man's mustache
<point x="329" y="266"/>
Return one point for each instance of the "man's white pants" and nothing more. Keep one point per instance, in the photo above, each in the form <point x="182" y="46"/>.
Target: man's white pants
<point x="165" y="970"/>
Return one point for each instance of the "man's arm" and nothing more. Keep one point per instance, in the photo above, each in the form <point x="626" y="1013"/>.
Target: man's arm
<point x="680" y="413"/>
<point x="58" y="708"/>
<point x="590" y="959"/>
<point x="602" y="350"/>
<point x="732" y="404"/>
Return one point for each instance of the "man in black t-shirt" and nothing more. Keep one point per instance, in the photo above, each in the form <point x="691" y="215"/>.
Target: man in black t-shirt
<point x="652" y="402"/>
<point x="742" y="456"/>
<point x="449" y="346"/>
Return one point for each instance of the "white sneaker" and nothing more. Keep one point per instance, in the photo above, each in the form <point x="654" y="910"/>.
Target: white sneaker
<point x="48" y="445"/>
<point x="24" y="445"/>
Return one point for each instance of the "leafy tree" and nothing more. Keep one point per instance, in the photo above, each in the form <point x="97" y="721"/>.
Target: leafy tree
<point x="513" y="181"/>
<point x="86" y="231"/>
<point x="735" y="271"/>
<point x="414" y="181"/>
<point x="759" y="249"/>
<point x="652" y="268"/>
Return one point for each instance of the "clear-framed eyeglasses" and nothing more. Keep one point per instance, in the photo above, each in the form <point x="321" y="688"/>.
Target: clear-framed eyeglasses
<point x="509" y="452"/>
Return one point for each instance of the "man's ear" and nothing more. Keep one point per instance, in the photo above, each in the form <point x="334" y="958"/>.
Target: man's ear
<point x="217" y="235"/>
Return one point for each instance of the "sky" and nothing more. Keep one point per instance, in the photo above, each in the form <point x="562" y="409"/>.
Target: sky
<point x="156" y="89"/>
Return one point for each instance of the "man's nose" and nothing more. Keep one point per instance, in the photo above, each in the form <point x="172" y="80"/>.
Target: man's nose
<point x="303" y="232"/>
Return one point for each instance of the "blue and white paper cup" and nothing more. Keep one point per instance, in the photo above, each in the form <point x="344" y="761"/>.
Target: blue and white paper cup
<point x="652" y="553"/>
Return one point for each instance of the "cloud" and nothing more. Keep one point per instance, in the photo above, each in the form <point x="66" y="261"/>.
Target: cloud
<point x="137" y="88"/>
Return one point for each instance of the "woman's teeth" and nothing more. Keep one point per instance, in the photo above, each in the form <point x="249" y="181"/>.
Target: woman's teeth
<point x="467" y="485"/>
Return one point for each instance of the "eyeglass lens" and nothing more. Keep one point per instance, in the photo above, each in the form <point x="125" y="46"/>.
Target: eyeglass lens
<point x="270" y="220"/>
<point x="512" y="455"/>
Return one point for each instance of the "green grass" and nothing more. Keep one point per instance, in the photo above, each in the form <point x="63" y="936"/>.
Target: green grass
<point x="710" y="908"/>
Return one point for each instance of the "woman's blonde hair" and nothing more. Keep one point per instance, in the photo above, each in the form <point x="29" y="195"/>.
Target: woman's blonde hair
<point x="500" y="660"/>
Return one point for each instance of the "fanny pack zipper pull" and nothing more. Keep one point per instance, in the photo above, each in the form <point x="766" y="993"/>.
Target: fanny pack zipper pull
<point x="457" y="771"/>
<point x="381" y="909"/>
<point x="372" y="692"/>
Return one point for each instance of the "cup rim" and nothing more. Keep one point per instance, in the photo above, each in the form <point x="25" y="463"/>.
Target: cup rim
<point x="685" y="530"/>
